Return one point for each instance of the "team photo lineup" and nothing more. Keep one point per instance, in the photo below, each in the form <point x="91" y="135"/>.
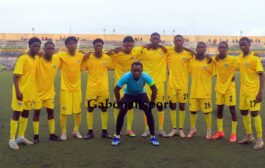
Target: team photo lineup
<point x="148" y="77"/>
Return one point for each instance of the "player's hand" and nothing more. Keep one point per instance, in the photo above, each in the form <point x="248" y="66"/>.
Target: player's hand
<point x="233" y="79"/>
<point x="163" y="48"/>
<point x="118" y="49"/>
<point x="19" y="96"/>
<point x="86" y="57"/>
<point x="189" y="50"/>
<point x="147" y="46"/>
<point x="259" y="97"/>
<point x="209" y="59"/>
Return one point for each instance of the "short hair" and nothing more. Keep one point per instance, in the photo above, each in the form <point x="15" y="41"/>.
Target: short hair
<point x="98" y="40"/>
<point x="33" y="40"/>
<point x="128" y="39"/>
<point x="245" y="39"/>
<point x="178" y="35"/>
<point x="47" y="43"/>
<point x="70" y="38"/>
<point x="155" y="34"/>
<point x="223" y="42"/>
<point x="201" y="43"/>
<point x="137" y="64"/>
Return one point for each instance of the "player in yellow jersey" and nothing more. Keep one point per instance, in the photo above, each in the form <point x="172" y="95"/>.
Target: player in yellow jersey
<point x="153" y="58"/>
<point x="122" y="59"/>
<point x="97" y="92"/>
<point x="201" y="71"/>
<point x="46" y="69"/>
<point x="225" y="66"/>
<point x="177" y="60"/>
<point x="70" y="95"/>
<point x="23" y="93"/>
<point x="251" y="86"/>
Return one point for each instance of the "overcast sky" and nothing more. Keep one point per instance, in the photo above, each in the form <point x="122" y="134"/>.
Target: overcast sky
<point x="194" y="17"/>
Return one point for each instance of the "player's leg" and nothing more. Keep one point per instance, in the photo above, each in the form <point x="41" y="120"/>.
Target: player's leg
<point x="194" y="107"/>
<point x="51" y="123"/>
<point x="146" y="132"/>
<point x="66" y="106"/>
<point x="13" y="129"/>
<point x="182" y="99"/>
<point x="23" y="122"/>
<point x="91" y="103"/>
<point x="36" y="125"/>
<point x="206" y="108"/>
<point x="77" y="99"/>
<point x="104" y="116"/>
<point x="234" y="123"/>
<point x="172" y="98"/>
<point x="220" y="101"/>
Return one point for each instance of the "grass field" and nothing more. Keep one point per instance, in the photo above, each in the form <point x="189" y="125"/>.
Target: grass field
<point x="133" y="152"/>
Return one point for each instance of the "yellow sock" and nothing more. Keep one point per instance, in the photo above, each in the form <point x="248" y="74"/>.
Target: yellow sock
<point x="116" y="113"/>
<point x="182" y="115"/>
<point x="193" y="119"/>
<point x="234" y="125"/>
<point x="13" y="128"/>
<point x="77" y="121"/>
<point x="51" y="124"/>
<point x="258" y="126"/>
<point x="161" y="117"/>
<point x="36" y="127"/>
<point x="247" y="124"/>
<point x="104" y="120"/>
<point x="208" y="119"/>
<point x="220" y="125"/>
<point x="173" y="117"/>
<point x="129" y="119"/>
<point x="90" y="120"/>
<point x="23" y="122"/>
<point x="145" y="123"/>
<point x="63" y="122"/>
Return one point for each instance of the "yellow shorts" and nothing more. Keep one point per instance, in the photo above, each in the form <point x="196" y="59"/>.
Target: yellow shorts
<point x="177" y="95"/>
<point x="21" y="105"/>
<point x="228" y="99"/>
<point x="205" y="105"/>
<point x="94" y="101"/>
<point x="70" y="102"/>
<point x="249" y="103"/>
<point x="160" y="97"/>
<point x="39" y="104"/>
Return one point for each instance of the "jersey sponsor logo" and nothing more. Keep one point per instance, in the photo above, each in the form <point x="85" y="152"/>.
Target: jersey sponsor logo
<point x="226" y="65"/>
<point x="19" y="103"/>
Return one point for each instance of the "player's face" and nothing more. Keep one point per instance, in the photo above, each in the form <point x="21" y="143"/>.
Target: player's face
<point x="71" y="45"/>
<point x="49" y="49"/>
<point x="98" y="47"/>
<point x="136" y="71"/>
<point x="35" y="48"/>
<point x="222" y="48"/>
<point x="155" y="40"/>
<point x="201" y="49"/>
<point x="178" y="41"/>
<point x="128" y="46"/>
<point x="244" y="46"/>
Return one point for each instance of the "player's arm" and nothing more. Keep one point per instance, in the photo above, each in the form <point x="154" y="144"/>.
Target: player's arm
<point x="154" y="92"/>
<point x="117" y="93"/>
<point x="122" y="81"/>
<point x="114" y="51"/>
<point x="261" y="83"/>
<point x="189" y="50"/>
<point x="19" y="95"/>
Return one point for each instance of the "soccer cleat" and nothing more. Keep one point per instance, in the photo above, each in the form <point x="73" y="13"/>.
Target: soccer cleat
<point x="233" y="138"/>
<point x="77" y="135"/>
<point x="173" y="132"/>
<point x="116" y="141"/>
<point x="209" y="134"/>
<point x="192" y="133"/>
<point x="154" y="141"/>
<point x="162" y="133"/>
<point x="181" y="133"/>
<point x="130" y="133"/>
<point x="218" y="135"/>
<point x="36" y="139"/>
<point x="249" y="139"/>
<point x="13" y="144"/>
<point x="146" y="133"/>
<point x="24" y="141"/>
<point x="64" y="136"/>
<point x="89" y="135"/>
<point x="259" y="144"/>
<point x="105" y="134"/>
<point x="54" y="137"/>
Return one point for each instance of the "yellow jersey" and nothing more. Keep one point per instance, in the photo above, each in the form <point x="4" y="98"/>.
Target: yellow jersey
<point x="225" y="72"/>
<point x="122" y="62"/>
<point x="97" y="68"/>
<point x="70" y="70"/>
<point x="45" y="74"/>
<point x="178" y="68"/>
<point x="201" y="78"/>
<point x="26" y="68"/>
<point x="154" y="63"/>
<point x="249" y="67"/>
